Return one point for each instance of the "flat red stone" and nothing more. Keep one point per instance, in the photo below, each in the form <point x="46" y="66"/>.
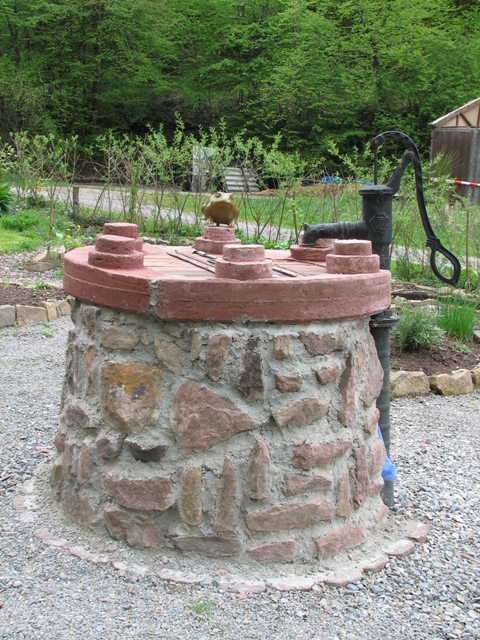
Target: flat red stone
<point x="186" y="292"/>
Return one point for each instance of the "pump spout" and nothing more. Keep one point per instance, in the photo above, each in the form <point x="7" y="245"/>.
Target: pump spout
<point x="338" y="230"/>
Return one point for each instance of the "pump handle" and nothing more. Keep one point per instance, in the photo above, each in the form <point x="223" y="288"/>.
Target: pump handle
<point x="412" y="155"/>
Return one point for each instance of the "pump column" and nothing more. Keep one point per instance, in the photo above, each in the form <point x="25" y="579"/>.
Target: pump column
<point x="377" y="214"/>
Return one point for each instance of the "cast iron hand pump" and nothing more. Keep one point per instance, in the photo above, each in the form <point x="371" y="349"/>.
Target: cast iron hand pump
<point x="376" y="224"/>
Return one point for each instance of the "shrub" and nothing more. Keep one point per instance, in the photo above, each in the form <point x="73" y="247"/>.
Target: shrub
<point x="6" y="199"/>
<point x="417" y="330"/>
<point x="457" y="317"/>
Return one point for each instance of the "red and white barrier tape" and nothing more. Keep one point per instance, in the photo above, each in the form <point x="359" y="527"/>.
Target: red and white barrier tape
<point x="450" y="181"/>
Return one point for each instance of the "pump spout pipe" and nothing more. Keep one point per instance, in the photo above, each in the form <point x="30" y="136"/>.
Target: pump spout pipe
<point x="376" y="226"/>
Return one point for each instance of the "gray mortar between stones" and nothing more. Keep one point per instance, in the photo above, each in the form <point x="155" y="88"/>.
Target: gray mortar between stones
<point x="37" y="509"/>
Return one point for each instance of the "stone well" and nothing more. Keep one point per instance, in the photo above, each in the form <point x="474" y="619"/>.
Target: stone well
<point x="227" y="412"/>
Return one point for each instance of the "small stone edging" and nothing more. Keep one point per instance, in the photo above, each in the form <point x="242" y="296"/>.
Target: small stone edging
<point x="34" y="505"/>
<point x="22" y="314"/>
<point x="417" y="383"/>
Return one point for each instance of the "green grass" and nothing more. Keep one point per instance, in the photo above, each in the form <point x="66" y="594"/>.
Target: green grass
<point x="457" y="317"/>
<point x="17" y="242"/>
<point x="201" y="607"/>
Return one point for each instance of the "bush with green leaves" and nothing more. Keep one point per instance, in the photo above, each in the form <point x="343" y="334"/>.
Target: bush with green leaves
<point x="457" y="317"/>
<point x="418" y="328"/>
<point x="6" y="200"/>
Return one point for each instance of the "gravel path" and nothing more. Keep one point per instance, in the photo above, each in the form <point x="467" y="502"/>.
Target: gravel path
<point x="46" y="592"/>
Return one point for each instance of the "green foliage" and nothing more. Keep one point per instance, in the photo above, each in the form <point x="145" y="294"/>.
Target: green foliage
<point x="417" y="330"/>
<point x="201" y="607"/>
<point x="317" y="70"/>
<point x="457" y="317"/>
<point x="21" y="221"/>
<point x="6" y="199"/>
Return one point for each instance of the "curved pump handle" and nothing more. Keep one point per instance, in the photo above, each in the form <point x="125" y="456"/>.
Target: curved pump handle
<point x="412" y="155"/>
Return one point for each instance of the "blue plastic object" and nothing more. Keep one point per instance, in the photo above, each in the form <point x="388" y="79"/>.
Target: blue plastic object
<point x="389" y="470"/>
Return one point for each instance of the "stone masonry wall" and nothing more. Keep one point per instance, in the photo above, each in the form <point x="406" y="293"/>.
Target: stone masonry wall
<point x="252" y="440"/>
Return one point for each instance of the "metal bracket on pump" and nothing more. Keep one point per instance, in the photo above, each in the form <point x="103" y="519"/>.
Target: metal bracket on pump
<point x="376" y="226"/>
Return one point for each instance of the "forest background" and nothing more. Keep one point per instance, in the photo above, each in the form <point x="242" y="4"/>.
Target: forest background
<point x="318" y="71"/>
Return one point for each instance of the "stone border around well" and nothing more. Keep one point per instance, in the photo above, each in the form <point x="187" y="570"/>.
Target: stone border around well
<point x="416" y="383"/>
<point x="36" y="508"/>
<point x="22" y="314"/>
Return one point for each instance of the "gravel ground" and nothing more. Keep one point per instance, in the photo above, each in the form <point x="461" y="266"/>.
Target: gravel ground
<point x="46" y="592"/>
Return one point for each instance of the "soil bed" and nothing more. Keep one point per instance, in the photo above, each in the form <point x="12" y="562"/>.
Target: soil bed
<point x="14" y="294"/>
<point x="442" y="358"/>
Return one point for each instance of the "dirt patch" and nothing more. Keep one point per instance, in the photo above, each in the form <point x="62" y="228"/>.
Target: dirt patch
<point x="442" y="358"/>
<point x="14" y="294"/>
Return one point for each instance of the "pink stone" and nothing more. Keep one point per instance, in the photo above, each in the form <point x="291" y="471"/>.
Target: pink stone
<point x="78" y="506"/>
<point x="290" y="516"/>
<point x="77" y="417"/>
<point x="375" y="564"/>
<point x="130" y="393"/>
<point x="288" y="384"/>
<point x="308" y="456"/>
<point x="377" y="456"/>
<point x="339" y="539"/>
<point x="118" y="339"/>
<point x="196" y="347"/>
<point x="375" y="488"/>
<point x="220" y="234"/>
<point x="126" y="229"/>
<point x="110" y="446"/>
<point x="299" y="413"/>
<point x="137" y="529"/>
<point x="383" y="513"/>
<point x="226" y="512"/>
<point x="243" y="270"/>
<point x="400" y="549"/>
<point x="242" y="586"/>
<point x="114" y="244"/>
<point x="67" y="459"/>
<point x="217" y="351"/>
<point x="293" y="583"/>
<point x="169" y="354"/>
<point x="310" y="254"/>
<point x="281" y="347"/>
<point x="211" y="546"/>
<point x="190" y="499"/>
<point x="346" y="413"/>
<point x="244" y="253"/>
<point x="420" y="533"/>
<point x="328" y="374"/>
<point x="85" y="465"/>
<point x="123" y="261"/>
<point x="352" y="264"/>
<point x="320" y="345"/>
<point x="374" y="379"/>
<point x="258" y="471"/>
<point x="274" y="552"/>
<point x="344" y="496"/>
<point x="59" y="441"/>
<point x="371" y="425"/>
<point x="202" y="418"/>
<point x="353" y="248"/>
<point x="342" y="577"/>
<point x="360" y="476"/>
<point x="151" y="494"/>
<point x="56" y="479"/>
<point x="298" y="483"/>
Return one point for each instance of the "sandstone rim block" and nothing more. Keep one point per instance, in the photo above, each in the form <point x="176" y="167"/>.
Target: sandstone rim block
<point x="290" y="516"/>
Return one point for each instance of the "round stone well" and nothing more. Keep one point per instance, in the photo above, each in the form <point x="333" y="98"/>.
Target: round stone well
<point x="223" y="408"/>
